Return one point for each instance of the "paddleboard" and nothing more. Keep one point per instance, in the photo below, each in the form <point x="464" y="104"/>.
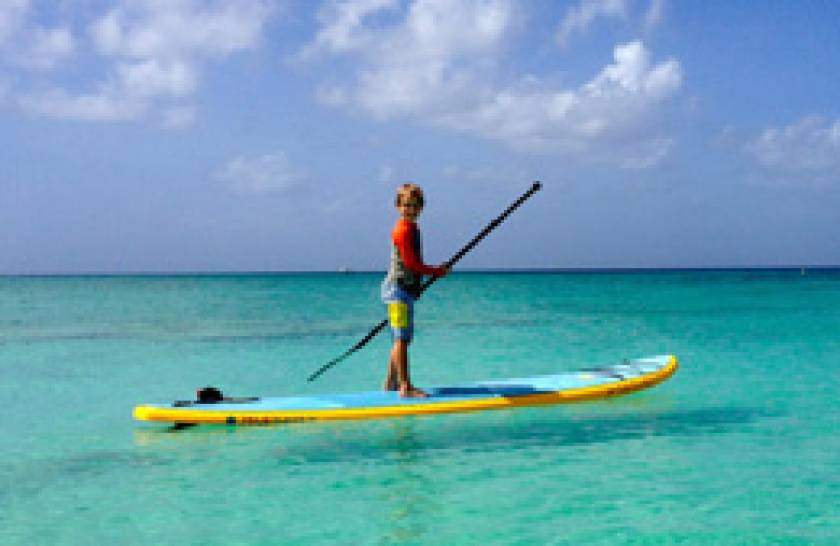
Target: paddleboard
<point x="587" y="384"/>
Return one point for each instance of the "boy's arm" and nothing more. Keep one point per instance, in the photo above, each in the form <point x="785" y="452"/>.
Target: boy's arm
<point x="403" y="237"/>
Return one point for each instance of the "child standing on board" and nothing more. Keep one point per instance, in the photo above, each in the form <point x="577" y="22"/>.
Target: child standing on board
<point x="402" y="286"/>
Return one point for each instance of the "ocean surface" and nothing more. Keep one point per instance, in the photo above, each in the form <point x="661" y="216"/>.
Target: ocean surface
<point x="741" y="446"/>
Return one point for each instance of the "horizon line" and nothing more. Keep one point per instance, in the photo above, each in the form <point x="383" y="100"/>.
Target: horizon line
<point x="351" y="271"/>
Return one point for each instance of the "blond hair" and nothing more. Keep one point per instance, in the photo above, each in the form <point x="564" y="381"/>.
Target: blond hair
<point x="407" y="192"/>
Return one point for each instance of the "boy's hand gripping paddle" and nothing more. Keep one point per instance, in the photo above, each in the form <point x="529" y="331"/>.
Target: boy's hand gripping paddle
<point x="429" y="282"/>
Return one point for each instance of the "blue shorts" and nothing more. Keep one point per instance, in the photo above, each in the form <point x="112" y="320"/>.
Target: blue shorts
<point x="400" y="307"/>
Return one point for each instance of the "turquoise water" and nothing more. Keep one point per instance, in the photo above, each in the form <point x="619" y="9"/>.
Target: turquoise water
<point x="741" y="446"/>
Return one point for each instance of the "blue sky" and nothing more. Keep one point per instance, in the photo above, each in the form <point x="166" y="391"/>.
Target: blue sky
<point x="176" y="135"/>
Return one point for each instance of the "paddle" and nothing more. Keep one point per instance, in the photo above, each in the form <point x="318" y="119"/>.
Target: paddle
<point x="429" y="282"/>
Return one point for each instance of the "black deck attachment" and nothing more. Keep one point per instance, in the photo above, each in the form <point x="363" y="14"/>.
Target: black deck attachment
<point x="212" y="395"/>
<point x="209" y="395"/>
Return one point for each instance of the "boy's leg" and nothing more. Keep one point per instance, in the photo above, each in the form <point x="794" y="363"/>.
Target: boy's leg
<point x="401" y="320"/>
<point x="391" y="383"/>
<point x="399" y="356"/>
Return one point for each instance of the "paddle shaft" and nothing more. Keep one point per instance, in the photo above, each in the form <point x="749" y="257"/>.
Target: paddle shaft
<point x="429" y="282"/>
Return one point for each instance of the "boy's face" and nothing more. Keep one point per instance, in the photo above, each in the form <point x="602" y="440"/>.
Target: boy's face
<point x="410" y="209"/>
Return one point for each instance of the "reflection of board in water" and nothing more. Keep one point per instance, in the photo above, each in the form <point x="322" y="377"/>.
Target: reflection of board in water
<point x="588" y="384"/>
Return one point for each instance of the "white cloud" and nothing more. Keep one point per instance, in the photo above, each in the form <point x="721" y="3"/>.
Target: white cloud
<point x="156" y="50"/>
<point x="133" y="90"/>
<point x="165" y="29"/>
<point x="578" y="18"/>
<point x="607" y="110"/>
<point x="440" y="62"/>
<point x="29" y="45"/>
<point x="156" y="78"/>
<point x="48" y="47"/>
<point x="632" y="75"/>
<point x="100" y="106"/>
<point x="341" y="24"/>
<point x="425" y="63"/>
<point x="806" y="151"/>
<point x="261" y="175"/>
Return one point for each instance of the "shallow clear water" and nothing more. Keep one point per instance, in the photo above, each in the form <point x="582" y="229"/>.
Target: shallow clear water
<point x="741" y="446"/>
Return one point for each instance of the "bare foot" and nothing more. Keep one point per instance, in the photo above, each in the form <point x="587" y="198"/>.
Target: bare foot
<point x="413" y="392"/>
<point x="390" y="385"/>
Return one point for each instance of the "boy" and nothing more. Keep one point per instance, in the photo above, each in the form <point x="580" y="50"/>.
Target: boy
<point x="402" y="286"/>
